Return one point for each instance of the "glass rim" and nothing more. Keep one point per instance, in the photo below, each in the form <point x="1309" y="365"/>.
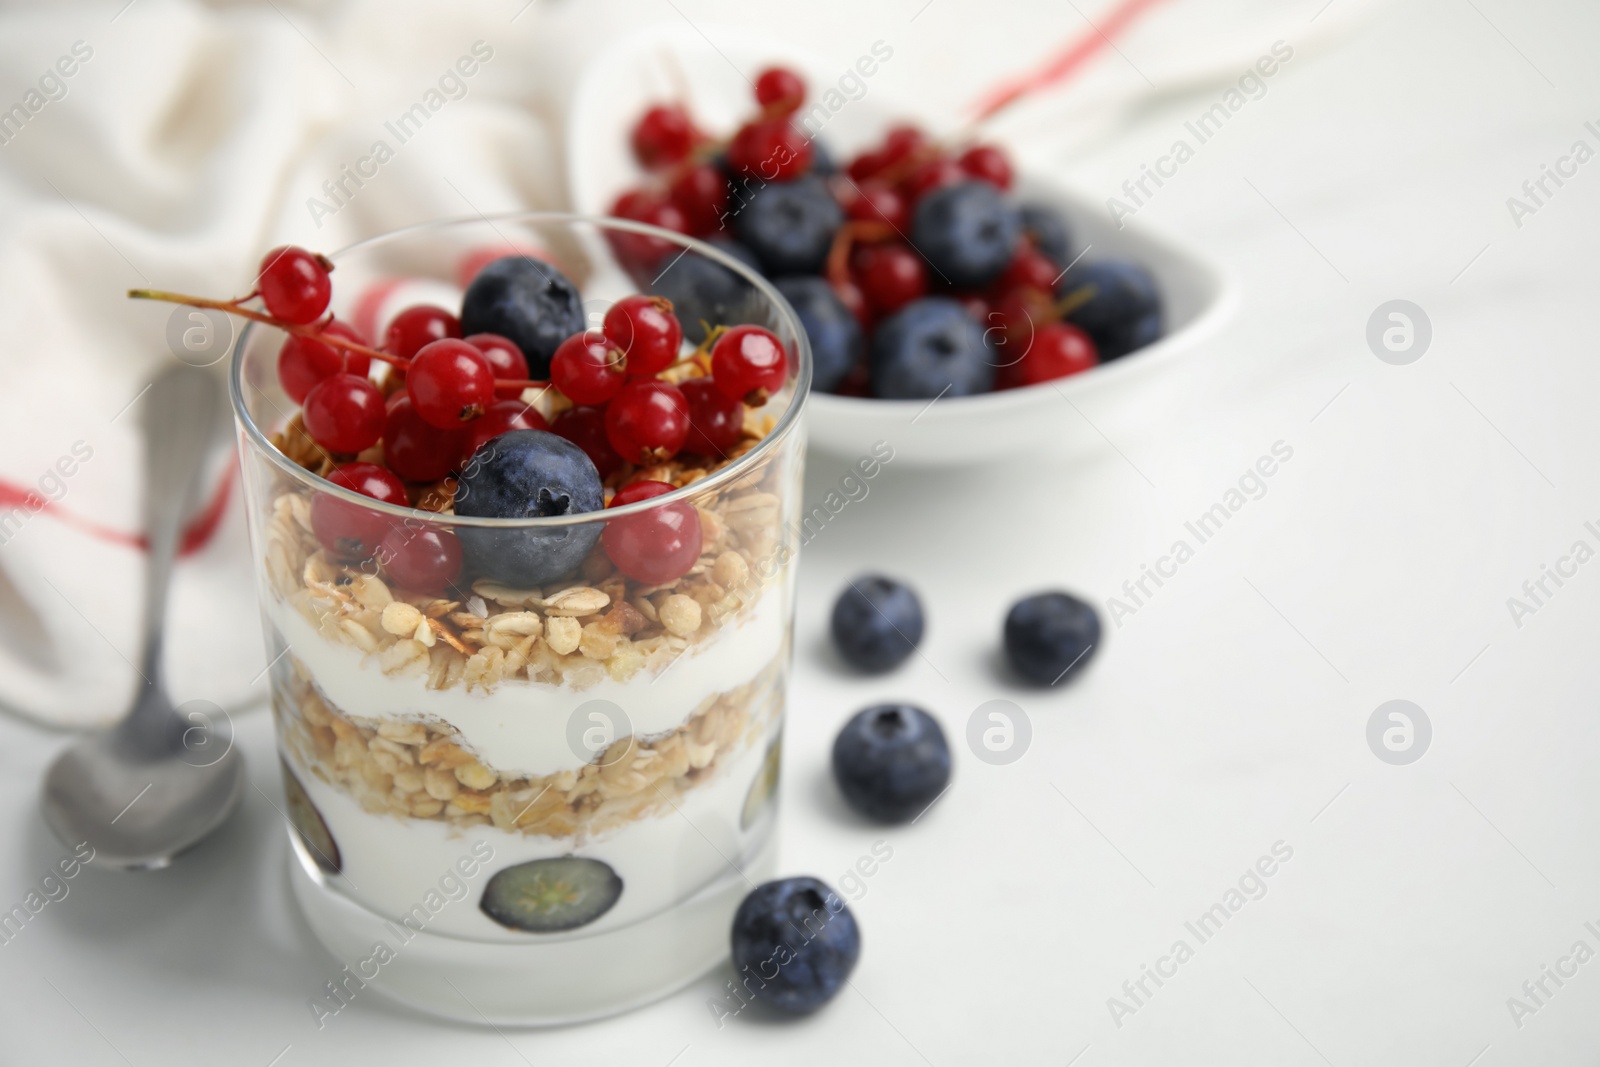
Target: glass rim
<point x="731" y="472"/>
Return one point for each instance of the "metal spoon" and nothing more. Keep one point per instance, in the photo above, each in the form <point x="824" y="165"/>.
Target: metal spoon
<point x="154" y="785"/>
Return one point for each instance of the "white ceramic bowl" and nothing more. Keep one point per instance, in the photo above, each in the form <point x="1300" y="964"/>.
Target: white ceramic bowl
<point x="1114" y="401"/>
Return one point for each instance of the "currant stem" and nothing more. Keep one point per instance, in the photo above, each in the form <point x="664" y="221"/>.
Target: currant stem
<point x="314" y="332"/>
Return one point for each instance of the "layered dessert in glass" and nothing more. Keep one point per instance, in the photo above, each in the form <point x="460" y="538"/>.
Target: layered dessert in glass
<point x="530" y="762"/>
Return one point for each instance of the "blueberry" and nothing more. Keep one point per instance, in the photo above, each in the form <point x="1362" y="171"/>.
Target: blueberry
<point x="928" y="348"/>
<point x="877" y="623"/>
<point x="967" y="232"/>
<point x="519" y="475"/>
<point x="705" y="292"/>
<point x="528" y="301"/>
<point x="1049" y="231"/>
<point x="790" y="225"/>
<point x="1048" y="635"/>
<point x="550" y="896"/>
<point x="1122" y="311"/>
<point x="794" y="943"/>
<point x="836" y="341"/>
<point x="310" y="825"/>
<point x="891" y="762"/>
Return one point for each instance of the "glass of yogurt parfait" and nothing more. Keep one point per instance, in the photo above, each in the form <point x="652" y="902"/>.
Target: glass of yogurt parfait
<point x="530" y="763"/>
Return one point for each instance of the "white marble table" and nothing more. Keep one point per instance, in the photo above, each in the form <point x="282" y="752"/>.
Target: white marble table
<point x="1223" y="719"/>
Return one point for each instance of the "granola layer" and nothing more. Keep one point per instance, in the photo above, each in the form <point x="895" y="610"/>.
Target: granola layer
<point x="422" y="768"/>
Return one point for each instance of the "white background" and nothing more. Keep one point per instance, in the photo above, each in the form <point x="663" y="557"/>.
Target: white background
<point x="1227" y="715"/>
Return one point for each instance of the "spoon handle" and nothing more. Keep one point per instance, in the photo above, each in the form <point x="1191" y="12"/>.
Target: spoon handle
<point x="180" y="414"/>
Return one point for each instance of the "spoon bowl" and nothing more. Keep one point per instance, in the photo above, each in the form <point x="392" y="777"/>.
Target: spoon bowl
<point x="165" y="777"/>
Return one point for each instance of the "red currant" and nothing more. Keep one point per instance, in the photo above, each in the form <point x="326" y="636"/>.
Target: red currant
<point x="648" y="421"/>
<point x="879" y="202"/>
<point x="934" y="174"/>
<point x="701" y="193"/>
<point x="423" y="560"/>
<point x="416" y="450"/>
<point x="586" y="428"/>
<point x="780" y="89"/>
<point x="655" y="546"/>
<point x="854" y="301"/>
<point x="901" y="142"/>
<point x="303" y="362"/>
<point x="294" y="284"/>
<point x="502" y="417"/>
<point x="774" y="150"/>
<point x="344" y="413"/>
<point x="1029" y="269"/>
<point x="890" y="276"/>
<point x="748" y="363"/>
<point x="1016" y="317"/>
<point x="647" y="331"/>
<point x="663" y="136"/>
<point x="505" y="359"/>
<point x="987" y="163"/>
<point x="588" y="369"/>
<point x="1058" y="349"/>
<point x="715" y="420"/>
<point x="417" y="326"/>
<point x="865" y="166"/>
<point x="450" y="383"/>
<point x="643" y="205"/>
<point x="347" y="530"/>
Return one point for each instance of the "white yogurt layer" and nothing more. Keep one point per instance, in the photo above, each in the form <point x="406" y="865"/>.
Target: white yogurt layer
<point x="524" y="727"/>
<point x="392" y="865"/>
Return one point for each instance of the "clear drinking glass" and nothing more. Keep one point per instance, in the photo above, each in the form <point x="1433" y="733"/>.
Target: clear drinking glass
<point x="518" y="803"/>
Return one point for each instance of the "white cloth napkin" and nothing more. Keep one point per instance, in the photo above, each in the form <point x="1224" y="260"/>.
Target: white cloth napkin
<point x="168" y="143"/>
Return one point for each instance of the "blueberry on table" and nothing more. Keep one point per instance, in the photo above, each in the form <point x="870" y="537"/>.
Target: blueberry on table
<point x="967" y="232"/>
<point x="527" y="301"/>
<point x="930" y="348"/>
<point x="704" y="292"/>
<point x="551" y="895"/>
<point x="795" y="943"/>
<point x="1116" y="303"/>
<point x="790" y="225"/>
<point x="1050" y="637"/>
<point x="837" y="344"/>
<point x="525" y="474"/>
<point x="877" y="623"/>
<point x="1049" y="232"/>
<point x="891" y="762"/>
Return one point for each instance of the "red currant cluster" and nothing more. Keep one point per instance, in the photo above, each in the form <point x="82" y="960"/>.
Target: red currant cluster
<point x="700" y="185"/>
<point x="444" y="397"/>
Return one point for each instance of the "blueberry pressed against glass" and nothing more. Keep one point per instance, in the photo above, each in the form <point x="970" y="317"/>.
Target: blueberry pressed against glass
<point x="527" y="301"/>
<point x="790" y="225"/>
<point x="967" y="231"/>
<point x="891" y="762"/>
<point x="877" y="623"/>
<point x="931" y="348"/>
<point x="551" y="895"/>
<point x="1051" y="637"/>
<point x="1120" y="305"/>
<point x="795" y="943"/>
<point x="526" y="474"/>
<point x="310" y="825"/>
<point x="837" y="344"/>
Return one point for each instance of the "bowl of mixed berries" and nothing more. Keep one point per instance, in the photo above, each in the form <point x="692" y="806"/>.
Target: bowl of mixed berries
<point x="954" y="303"/>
